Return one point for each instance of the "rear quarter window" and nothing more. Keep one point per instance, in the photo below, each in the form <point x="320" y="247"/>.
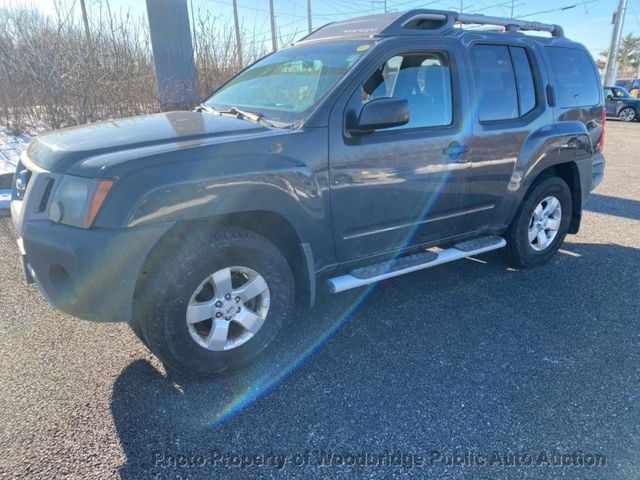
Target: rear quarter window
<point x="577" y="84"/>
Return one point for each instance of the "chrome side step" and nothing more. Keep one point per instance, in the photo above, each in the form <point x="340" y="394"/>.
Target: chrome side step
<point x="412" y="263"/>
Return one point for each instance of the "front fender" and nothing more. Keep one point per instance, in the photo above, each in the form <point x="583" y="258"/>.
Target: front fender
<point x="291" y="194"/>
<point x="285" y="175"/>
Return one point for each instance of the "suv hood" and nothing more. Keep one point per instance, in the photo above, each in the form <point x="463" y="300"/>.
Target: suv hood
<point x="60" y="150"/>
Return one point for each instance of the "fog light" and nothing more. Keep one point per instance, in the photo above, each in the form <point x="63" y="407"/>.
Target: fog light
<point x="63" y="290"/>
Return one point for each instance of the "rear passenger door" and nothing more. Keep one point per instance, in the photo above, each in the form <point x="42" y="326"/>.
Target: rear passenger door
<point x="507" y="86"/>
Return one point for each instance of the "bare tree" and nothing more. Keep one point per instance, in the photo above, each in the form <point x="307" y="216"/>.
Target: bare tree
<point x="48" y="76"/>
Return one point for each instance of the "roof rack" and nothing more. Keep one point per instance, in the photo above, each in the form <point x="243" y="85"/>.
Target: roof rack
<point x="510" y="24"/>
<point x="428" y="22"/>
<point x="436" y="20"/>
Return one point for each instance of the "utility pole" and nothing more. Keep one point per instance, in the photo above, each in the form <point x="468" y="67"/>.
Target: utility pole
<point x="172" y="47"/>
<point x="274" y="42"/>
<point x="512" y="7"/>
<point x="87" y="32"/>
<point x="611" y="71"/>
<point x="309" y="23"/>
<point x="237" y="29"/>
<point x="384" y="4"/>
<point x="193" y="31"/>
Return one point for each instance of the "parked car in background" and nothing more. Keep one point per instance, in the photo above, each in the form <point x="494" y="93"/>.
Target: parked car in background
<point x="621" y="104"/>
<point x="632" y="85"/>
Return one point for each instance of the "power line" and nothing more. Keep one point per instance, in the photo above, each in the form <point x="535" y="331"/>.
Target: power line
<point x="253" y="9"/>
<point x="559" y="9"/>
<point x="635" y="14"/>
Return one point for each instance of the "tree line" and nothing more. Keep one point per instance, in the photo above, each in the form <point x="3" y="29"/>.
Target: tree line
<point x="628" y="57"/>
<point x="49" y="80"/>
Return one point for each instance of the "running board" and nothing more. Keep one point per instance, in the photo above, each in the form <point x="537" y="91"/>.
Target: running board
<point x="412" y="263"/>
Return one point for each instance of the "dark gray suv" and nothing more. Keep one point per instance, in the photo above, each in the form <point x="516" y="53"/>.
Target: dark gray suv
<point x="372" y="148"/>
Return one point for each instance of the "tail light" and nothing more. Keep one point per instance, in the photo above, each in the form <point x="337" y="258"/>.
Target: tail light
<point x="603" y="123"/>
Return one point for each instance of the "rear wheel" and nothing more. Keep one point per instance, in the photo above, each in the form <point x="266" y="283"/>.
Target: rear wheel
<point x="541" y="222"/>
<point x="627" y="114"/>
<point x="217" y="302"/>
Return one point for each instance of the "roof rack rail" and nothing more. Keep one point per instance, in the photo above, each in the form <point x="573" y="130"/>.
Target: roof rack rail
<point x="424" y="21"/>
<point x="510" y="24"/>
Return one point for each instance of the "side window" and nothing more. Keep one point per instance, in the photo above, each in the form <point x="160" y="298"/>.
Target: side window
<point x="577" y="84"/>
<point x="423" y="79"/>
<point x="497" y="98"/>
<point x="524" y="79"/>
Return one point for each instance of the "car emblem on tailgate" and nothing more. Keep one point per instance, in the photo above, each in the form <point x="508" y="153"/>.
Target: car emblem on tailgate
<point x="22" y="179"/>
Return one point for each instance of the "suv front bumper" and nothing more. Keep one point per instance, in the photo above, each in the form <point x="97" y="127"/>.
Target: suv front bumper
<point x="90" y="274"/>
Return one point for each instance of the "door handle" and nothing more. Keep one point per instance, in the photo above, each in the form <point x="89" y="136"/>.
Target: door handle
<point x="455" y="150"/>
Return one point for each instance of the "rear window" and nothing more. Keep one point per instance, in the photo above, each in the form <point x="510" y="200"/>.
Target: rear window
<point x="577" y="84"/>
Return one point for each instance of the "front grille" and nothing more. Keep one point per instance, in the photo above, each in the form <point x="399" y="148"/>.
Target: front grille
<point x="32" y="189"/>
<point x="31" y="193"/>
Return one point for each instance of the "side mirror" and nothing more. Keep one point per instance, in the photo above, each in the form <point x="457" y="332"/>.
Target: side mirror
<point x="609" y="97"/>
<point x="380" y="113"/>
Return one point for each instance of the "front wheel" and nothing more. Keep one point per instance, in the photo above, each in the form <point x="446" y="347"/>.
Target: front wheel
<point x="541" y="222"/>
<point x="217" y="302"/>
<point x="627" y="114"/>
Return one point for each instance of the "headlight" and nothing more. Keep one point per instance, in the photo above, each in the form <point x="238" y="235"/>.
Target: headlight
<point x="76" y="200"/>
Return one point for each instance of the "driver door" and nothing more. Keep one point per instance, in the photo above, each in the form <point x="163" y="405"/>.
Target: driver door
<point x="400" y="186"/>
<point x="610" y="102"/>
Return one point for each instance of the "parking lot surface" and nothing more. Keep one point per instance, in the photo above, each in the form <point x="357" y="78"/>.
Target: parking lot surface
<point x="468" y="370"/>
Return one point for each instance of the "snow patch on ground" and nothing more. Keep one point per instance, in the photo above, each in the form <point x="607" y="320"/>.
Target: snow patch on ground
<point x="5" y="201"/>
<point x="11" y="147"/>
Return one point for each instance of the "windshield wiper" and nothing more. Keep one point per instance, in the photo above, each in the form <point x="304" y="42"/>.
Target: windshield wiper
<point x="205" y="108"/>
<point x="255" y="117"/>
<point x="252" y="116"/>
<point x="235" y="111"/>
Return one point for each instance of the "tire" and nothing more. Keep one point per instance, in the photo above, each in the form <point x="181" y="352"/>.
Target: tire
<point x="524" y="252"/>
<point x="183" y="290"/>
<point x="628" y="114"/>
<point x="134" y="324"/>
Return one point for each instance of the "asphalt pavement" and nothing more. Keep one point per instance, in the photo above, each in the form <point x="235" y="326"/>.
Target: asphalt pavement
<point x="468" y="370"/>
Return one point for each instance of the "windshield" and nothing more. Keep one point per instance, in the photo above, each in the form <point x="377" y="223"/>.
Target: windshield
<point x="618" y="92"/>
<point x="622" y="93"/>
<point x="285" y="86"/>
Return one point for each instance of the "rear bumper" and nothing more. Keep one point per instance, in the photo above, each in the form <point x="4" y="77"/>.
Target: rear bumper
<point x="591" y="172"/>
<point x="597" y="170"/>
<point x="90" y="274"/>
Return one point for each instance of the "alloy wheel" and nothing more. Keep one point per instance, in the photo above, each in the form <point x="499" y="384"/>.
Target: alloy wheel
<point x="544" y="223"/>
<point x="228" y="308"/>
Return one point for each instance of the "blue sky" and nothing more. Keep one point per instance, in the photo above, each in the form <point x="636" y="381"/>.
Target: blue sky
<point x="588" y="21"/>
